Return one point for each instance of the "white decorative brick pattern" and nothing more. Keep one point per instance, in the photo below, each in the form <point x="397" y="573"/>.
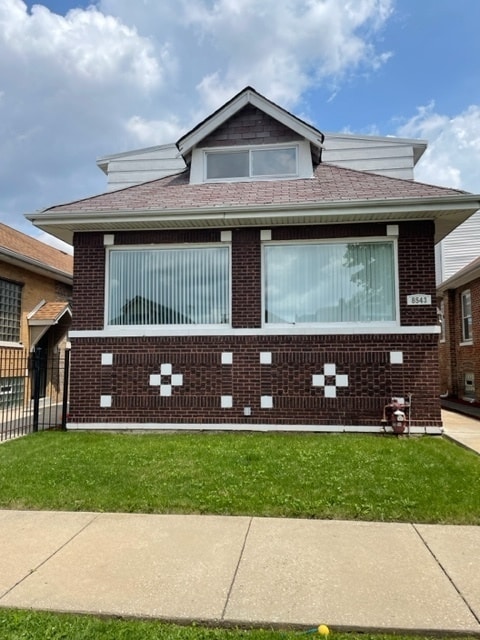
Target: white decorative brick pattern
<point x="226" y="402"/>
<point x="107" y="358"/>
<point x="330" y="380"/>
<point x="396" y="357"/>
<point x="105" y="402"/>
<point x="227" y="357"/>
<point x="166" y="379"/>
<point x="265" y="357"/>
<point x="266" y="402"/>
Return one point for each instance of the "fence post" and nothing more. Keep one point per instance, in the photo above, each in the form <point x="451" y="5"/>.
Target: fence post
<point x="66" y="378"/>
<point x="37" y="360"/>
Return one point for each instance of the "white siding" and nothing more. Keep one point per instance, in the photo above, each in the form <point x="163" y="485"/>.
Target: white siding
<point x="142" y="165"/>
<point x="460" y="247"/>
<point x="388" y="156"/>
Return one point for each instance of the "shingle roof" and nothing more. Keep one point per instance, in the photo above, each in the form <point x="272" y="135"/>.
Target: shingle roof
<point x="330" y="183"/>
<point x="33" y="250"/>
<point x="50" y="312"/>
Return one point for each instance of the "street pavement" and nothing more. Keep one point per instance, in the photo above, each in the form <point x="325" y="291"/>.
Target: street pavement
<point x="248" y="571"/>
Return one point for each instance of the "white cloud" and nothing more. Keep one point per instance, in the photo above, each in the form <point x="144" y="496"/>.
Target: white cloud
<point x="452" y="158"/>
<point x="283" y="48"/>
<point x="152" y="132"/>
<point x="68" y="84"/>
<point x="125" y="74"/>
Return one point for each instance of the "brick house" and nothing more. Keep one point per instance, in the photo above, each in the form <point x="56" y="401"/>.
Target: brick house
<point x="257" y="286"/>
<point x="35" y="293"/>
<point x="459" y="306"/>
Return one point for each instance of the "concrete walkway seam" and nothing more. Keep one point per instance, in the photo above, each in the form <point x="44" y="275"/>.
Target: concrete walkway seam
<point x="242" y="551"/>
<point x="52" y="555"/>
<point x="447" y="575"/>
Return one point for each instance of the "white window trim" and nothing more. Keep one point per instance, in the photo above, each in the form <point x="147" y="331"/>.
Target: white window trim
<point x="250" y="149"/>
<point x="152" y="331"/>
<point x="340" y="327"/>
<point x="144" y="329"/>
<point x="198" y="169"/>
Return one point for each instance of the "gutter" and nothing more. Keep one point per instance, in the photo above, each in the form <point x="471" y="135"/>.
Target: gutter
<point x="442" y="208"/>
<point x="36" y="266"/>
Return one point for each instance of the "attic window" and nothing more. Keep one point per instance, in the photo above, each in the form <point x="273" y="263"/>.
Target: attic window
<point x="273" y="162"/>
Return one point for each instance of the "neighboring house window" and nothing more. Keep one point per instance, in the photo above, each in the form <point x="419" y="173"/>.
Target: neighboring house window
<point x="169" y="286"/>
<point x="466" y="316"/>
<point x="10" y="310"/>
<point x="441" y="320"/>
<point x="330" y="282"/>
<point x="251" y="163"/>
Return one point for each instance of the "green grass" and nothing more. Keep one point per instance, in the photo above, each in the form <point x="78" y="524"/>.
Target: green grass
<point x="29" y="625"/>
<point x="343" y="476"/>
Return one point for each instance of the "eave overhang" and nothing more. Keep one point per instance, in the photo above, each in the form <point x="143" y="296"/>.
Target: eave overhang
<point x="461" y="278"/>
<point x="448" y="212"/>
<point x="35" y="266"/>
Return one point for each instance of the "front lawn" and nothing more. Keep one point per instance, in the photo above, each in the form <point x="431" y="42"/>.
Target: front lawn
<point x="30" y="625"/>
<point x="333" y="476"/>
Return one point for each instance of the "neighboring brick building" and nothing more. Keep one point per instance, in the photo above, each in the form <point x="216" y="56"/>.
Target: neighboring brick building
<point x="459" y="306"/>
<point x="259" y="287"/>
<point x="35" y="294"/>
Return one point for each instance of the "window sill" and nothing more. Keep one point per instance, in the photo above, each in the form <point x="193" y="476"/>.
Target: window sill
<point x="11" y="345"/>
<point x="141" y="332"/>
<point x="466" y="343"/>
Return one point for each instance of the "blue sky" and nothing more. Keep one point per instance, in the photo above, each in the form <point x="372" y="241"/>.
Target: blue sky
<point x="80" y="80"/>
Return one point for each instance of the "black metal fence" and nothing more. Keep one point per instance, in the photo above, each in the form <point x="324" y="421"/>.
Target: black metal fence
<point x="33" y="391"/>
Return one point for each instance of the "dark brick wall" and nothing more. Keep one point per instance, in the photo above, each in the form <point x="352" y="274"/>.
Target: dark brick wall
<point x="88" y="281"/>
<point x="456" y="358"/>
<point x="365" y="359"/>
<point x="372" y="379"/>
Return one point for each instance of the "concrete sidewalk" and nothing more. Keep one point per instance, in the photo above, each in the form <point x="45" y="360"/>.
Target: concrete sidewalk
<point x="246" y="571"/>
<point x="463" y="429"/>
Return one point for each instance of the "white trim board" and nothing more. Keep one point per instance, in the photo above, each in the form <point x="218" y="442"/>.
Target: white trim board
<point x="320" y="428"/>
<point x="337" y="330"/>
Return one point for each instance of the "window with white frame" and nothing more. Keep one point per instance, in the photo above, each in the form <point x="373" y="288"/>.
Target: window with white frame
<point x="251" y="163"/>
<point x="330" y="282"/>
<point x="466" y="316"/>
<point x="441" y="320"/>
<point x="169" y="286"/>
<point x="10" y="310"/>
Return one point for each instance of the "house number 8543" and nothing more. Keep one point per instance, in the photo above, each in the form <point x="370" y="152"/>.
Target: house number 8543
<point x="419" y="298"/>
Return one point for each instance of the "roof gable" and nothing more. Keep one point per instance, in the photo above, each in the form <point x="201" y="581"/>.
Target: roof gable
<point x="248" y="96"/>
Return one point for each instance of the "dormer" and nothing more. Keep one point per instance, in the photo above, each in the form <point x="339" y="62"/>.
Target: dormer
<point x="251" y="138"/>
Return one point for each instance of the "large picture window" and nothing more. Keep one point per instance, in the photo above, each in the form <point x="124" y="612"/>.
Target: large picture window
<point x="330" y="282"/>
<point x="169" y="286"/>
<point x="10" y="310"/>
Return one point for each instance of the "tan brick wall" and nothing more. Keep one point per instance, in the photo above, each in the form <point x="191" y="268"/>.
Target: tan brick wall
<point x="35" y="289"/>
